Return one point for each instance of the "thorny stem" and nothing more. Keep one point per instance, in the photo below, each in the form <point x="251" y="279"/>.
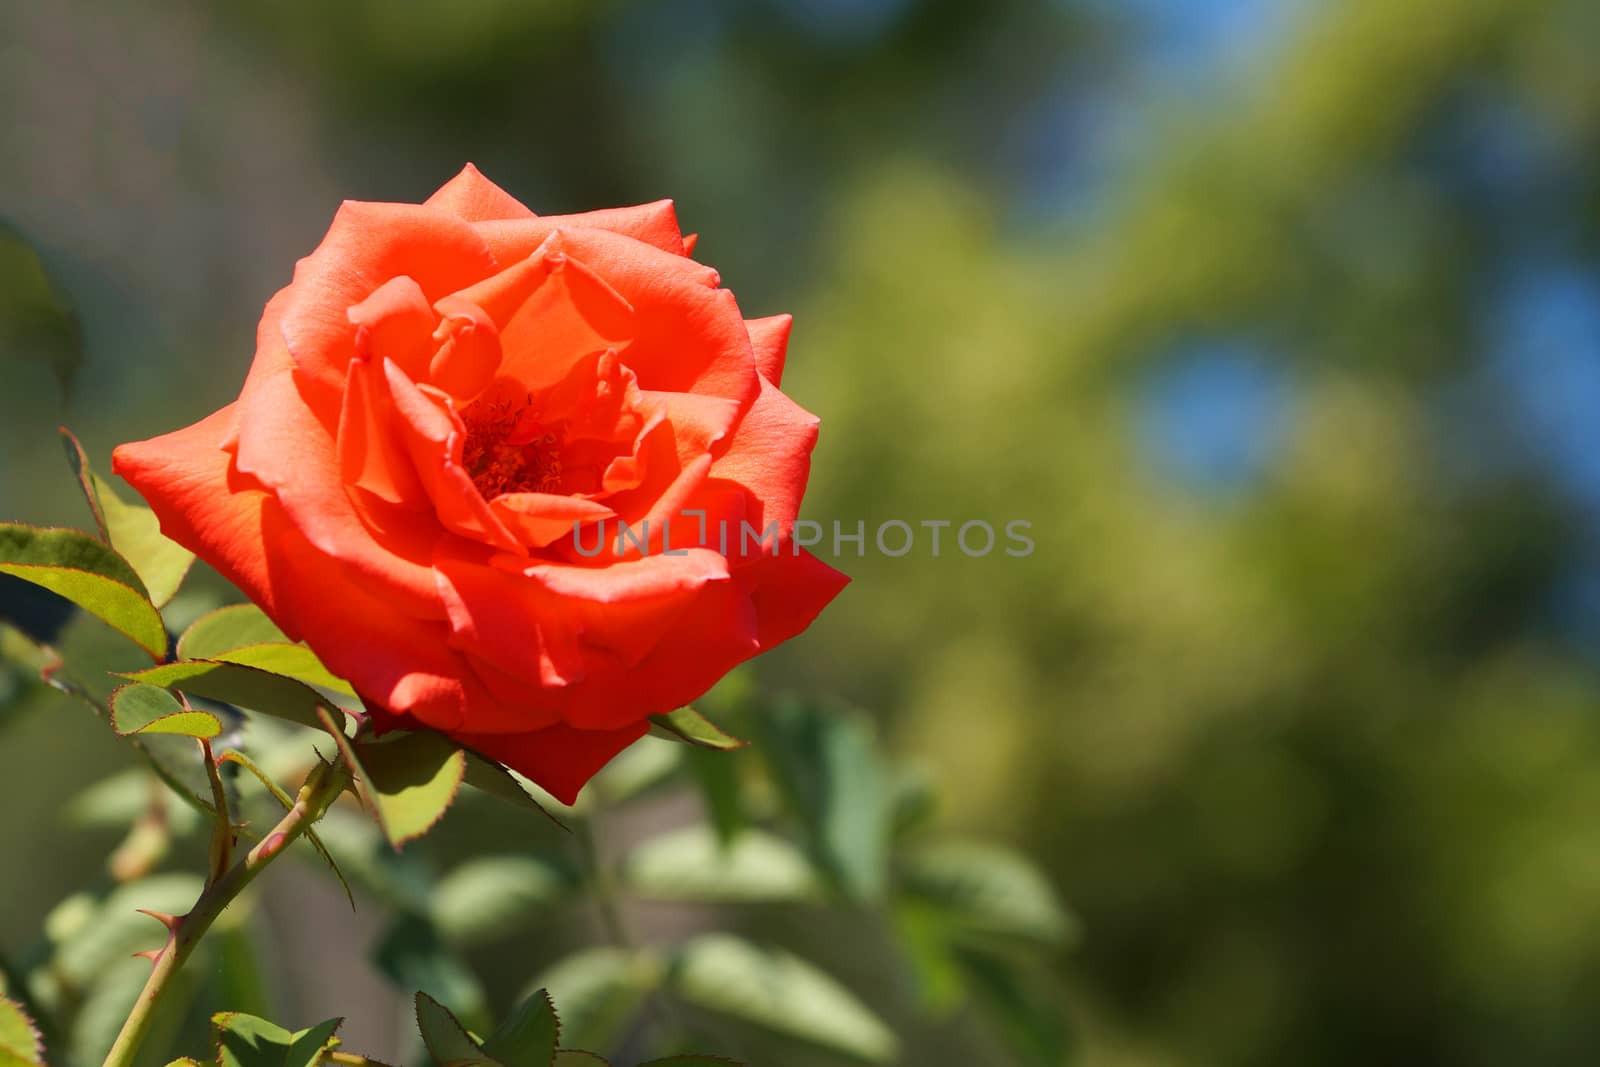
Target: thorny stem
<point x="184" y="933"/>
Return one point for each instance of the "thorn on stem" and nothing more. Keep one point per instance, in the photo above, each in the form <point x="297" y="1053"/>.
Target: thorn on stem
<point x="151" y="954"/>
<point x="169" y="921"/>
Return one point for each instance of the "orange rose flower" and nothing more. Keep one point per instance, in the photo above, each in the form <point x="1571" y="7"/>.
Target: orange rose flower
<point x="452" y="408"/>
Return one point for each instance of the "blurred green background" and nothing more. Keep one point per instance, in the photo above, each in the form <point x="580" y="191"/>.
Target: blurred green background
<point x="1279" y="320"/>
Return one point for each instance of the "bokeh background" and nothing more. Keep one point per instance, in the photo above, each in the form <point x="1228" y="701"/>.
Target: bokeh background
<point x="1280" y="321"/>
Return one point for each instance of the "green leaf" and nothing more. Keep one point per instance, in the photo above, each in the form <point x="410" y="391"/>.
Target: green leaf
<point x="718" y="778"/>
<point x="529" y="1035"/>
<point x="413" y="957"/>
<point x="37" y="321"/>
<point x="89" y="573"/>
<point x="693" y="1059"/>
<point x="986" y="889"/>
<point x="291" y="661"/>
<point x="490" y="896"/>
<point x="132" y="529"/>
<point x="245" y="687"/>
<point x="145" y="709"/>
<point x="780" y="991"/>
<point x="447" y="1040"/>
<point x="242" y="634"/>
<point x="826" y="767"/>
<point x="571" y="1057"/>
<point x="247" y="1041"/>
<point x="20" y="1044"/>
<point x="598" y="991"/>
<point x="690" y="727"/>
<point x="490" y="777"/>
<point x="235" y="626"/>
<point x="410" y="781"/>
<point x="691" y="864"/>
<point x="1018" y="1001"/>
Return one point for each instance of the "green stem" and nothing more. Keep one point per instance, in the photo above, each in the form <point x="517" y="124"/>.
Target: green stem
<point x="315" y="796"/>
<point x="605" y="888"/>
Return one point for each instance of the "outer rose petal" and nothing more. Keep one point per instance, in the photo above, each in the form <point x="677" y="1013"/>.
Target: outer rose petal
<point x="471" y="196"/>
<point x="654" y="224"/>
<point x="770" y="456"/>
<point x="789" y="591"/>
<point x="399" y="664"/>
<point x="292" y="454"/>
<point x="561" y="758"/>
<point x="769" y="338"/>
<point x="214" y="513"/>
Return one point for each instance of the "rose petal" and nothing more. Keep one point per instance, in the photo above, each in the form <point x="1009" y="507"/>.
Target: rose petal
<point x="654" y="224"/>
<point x="769" y="339"/>
<point x="471" y="196"/>
<point x="398" y="663"/>
<point x="396" y="323"/>
<point x="559" y="759"/>
<point x="184" y="476"/>
<point x="295" y="456"/>
<point x="372" y="457"/>
<point x="770" y="455"/>
<point x="432" y="436"/>
<point x="688" y="337"/>
<point x="367" y="245"/>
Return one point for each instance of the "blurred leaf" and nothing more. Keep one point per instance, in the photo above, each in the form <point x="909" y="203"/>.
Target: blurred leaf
<point x="20" y="1043"/>
<point x="914" y="801"/>
<point x="36" y="320"/>
<point x="693" y="1059"/>
<point x="117" y="931"/>
<point x="528" y="1036"/>
<point x="87" y="572"/>
<point x="643" y="765"/>
<point x="826" y="766"/>
<point x="399" y="880"/>
<point x="109" y="998"/>
<point x="447" y="1040"/>
<point x="568" y="1057"/>
<point x="988" y="889"/>
<point x="597" y="992"/>
<point x="245" y="687"/>
<point x="489" y="896"/>
<point x="780" y="991"/>
<point x="234" y="626"/>
<point x="247" y="1041"/>
<point x="690" y="726"/>
<point x="691" y="864"/>
<point x="718" y="777"/>
<point x="145" y="709"/>
<point x="132" y="529"/>
<point x="1032" y="1023"/>
<point x="241" y="978"/>
<point x="410" y="781"/>
<point x="120" y="799"/>
<point x="413" y="957"/>
<point x="925" y="945"/>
